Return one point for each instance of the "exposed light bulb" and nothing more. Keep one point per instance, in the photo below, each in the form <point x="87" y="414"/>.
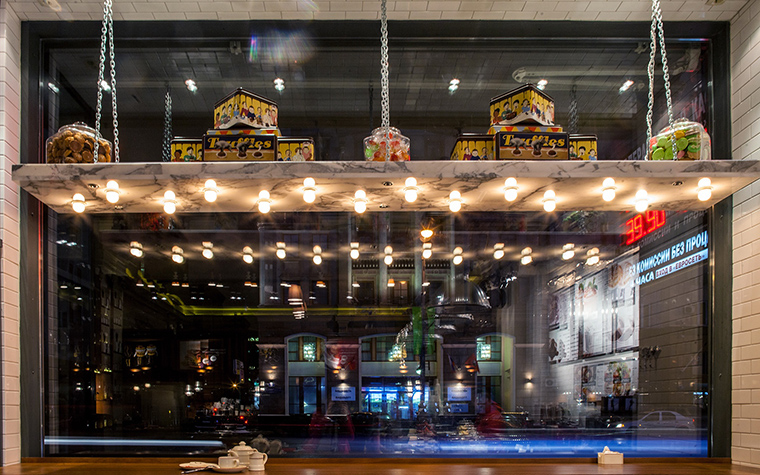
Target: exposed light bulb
<point x="550" y="203"/>
<point x="280" y="253"/>
<point x="498" y="251"/>
<point x="360" y="201"/>
<point x="455" y="201"/>
<point x="178" y="254"/>
<point x="427" y="250"/>
<point x="112" y="192"/>
<point x="642" y="201"/>
<point x="426" y="233"/>
<point x="207" y="250"/>
<point x="309" y="190"/>
<point x="265" y="204"/>
<point x="410" y="189"/>
<point x="458" y="255"/>
<point x="170" y="203"/>
<point x="388" y="260"/>
<point x="248" y="255"/>
<point x="608" y="189"/>
<point x="568" y="251"/>
<point x="592" y="256"/>
<point x="354" y="253"/>
<point x="77" y="203"/>
<point x="704" y="189"/>
<point x="510" y="189"/>
<point x="210" y="191"/>
<point x="317" y="259"/>
<point x="136" y="249"/>
<point x="525" y="260"/>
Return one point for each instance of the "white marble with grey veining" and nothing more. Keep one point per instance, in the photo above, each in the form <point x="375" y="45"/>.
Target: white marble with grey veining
<point x="576" y="183"/>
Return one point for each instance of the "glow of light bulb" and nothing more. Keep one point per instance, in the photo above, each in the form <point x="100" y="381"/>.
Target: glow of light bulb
<point x="317" y="259"/>
<point x="550" y="204"/>
<point x="247" y="258"/>
<point x="525" y="260"/>
<point x="178" y="258"/>
<point x="608" y="189"/>
<point x="510" y="189"/>
<point x="354" y="254"/>
<point x="388" y="260"/>
<point x="704" y="189"/>
<point x="112" y="192"/>
<point x="309" y="190"/>
<point x="360" y="201"/>
<point x="210" y="192"/>
<point x="77" y="203"/>
<point x="458" y="260"/>
<point x="498" y="254"/>
<point x="568" y="251"/>
<point x="410" y="195"/>
<point x="426" y="233"/>
<point x="281" y="253"/>
<point x="642" y="202"/>
<point x="136" y="249"/>
<point x="208" y="253"/>
<point x="265" y="204"/>
<point x="170" y="205"/>
<point x="593" y="260"/>
<point x="427" y="253"/>
<point x="455" y="201"/>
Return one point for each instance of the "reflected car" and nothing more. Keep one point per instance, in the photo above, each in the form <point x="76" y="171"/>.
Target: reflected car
<point x="664" y="420"/>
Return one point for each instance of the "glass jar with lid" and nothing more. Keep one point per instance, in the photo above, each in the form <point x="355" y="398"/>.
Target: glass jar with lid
<point x="75" y="143"/>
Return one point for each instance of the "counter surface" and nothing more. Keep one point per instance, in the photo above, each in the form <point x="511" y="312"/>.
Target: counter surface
<point x="398" y="467"/>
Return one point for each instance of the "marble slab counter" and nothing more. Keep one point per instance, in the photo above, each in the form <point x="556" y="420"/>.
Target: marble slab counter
<point x="671" y="185"/>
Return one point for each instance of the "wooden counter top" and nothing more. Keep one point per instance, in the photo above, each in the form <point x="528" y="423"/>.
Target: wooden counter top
<point x="394" y="467"/>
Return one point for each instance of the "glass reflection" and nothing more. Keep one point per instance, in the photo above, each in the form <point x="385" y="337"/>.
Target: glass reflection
<point x="494" y="357"/>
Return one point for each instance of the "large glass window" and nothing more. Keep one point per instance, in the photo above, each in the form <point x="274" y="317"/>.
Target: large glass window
<point x="588" y="330"/>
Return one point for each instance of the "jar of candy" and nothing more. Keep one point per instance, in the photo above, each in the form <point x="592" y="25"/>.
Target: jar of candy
<point x="375" y="146"/>
<point x="692" y="142"/>
<point x="76" y="144"/>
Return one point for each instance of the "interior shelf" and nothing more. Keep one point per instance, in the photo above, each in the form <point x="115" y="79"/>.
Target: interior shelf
<point x="671" y="185"/>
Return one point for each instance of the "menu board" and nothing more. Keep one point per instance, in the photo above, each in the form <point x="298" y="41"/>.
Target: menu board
<point x="593" y="306"/>
<point x="624" y="298"/>
<point x="563" y="340"/>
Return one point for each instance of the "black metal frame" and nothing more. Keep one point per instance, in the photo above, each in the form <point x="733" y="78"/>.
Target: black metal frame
<point x="37" y="36"/>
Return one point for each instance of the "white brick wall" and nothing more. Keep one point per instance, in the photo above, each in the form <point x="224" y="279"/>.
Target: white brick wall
<point x="10" y="91"/>
<point x="630" y="10"/>
<point x="745" y="112"/>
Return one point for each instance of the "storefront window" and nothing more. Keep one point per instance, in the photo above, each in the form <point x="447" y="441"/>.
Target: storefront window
<point x="590" y="328"/>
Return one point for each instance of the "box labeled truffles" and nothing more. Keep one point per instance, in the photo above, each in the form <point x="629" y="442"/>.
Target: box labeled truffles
<point x="473" y="147"/>
<point x="495" y="129"/>
<point x="187" y="150"/>
<point x="531" y="146"/>
<point x="239" y="145"/>
<point x="582" y="147"/>
<point x="525" y="105"/>
<point x="295" y="149"/>
<point x="242" y="108"/>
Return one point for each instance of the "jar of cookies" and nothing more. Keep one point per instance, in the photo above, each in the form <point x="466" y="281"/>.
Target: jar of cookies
<point x="75" y="143"/>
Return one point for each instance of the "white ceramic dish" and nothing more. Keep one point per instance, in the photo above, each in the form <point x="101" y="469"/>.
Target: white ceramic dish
<point x="238" y="469"/>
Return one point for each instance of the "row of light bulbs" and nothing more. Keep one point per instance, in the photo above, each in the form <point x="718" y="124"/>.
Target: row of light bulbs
<point x="411" y="192"/>
<point x="178" y="254"/>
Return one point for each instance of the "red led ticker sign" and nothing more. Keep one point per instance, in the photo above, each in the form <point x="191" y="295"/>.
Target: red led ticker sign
<point x="643" y="224"/>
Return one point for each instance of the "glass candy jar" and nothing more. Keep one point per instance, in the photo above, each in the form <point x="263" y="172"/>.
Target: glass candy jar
<point x="76" y="144"/>
<point x="375" y="146"/>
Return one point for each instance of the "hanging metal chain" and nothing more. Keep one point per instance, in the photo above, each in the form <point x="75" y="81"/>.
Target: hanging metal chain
<point x="106" y="42"/>
<point x="167" y="145"/>
<point x="573" y="127"/>
<point x="657" y="31"/>
<point x="385" y="104"/>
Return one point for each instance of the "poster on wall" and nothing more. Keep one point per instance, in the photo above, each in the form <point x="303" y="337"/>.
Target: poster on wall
<point x="563" y="341"/>
<point x="624" y="299"/>
<point x="593" y="308"/>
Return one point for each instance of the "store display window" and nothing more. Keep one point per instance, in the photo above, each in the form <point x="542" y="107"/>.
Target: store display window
<point x="515" y="333"/>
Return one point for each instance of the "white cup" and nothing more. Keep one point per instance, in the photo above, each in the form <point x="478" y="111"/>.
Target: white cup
<point x="257" y="462"/>
<point x="228" y="462"/>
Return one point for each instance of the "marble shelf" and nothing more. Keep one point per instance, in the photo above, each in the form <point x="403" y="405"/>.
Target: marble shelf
<point x="577" y="184"/>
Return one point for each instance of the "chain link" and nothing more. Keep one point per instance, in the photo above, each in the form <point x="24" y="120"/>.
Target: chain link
<point x="657" y="31"/>
<point x="167" y="145"/>
<point x="106" y="42"/>
<point x="385" y="103"/>
<point x="573" y="127"/>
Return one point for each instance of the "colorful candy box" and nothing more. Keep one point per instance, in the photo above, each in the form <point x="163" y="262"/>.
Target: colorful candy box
<point x="531" y="146"/>
<point x="525" y="105"/>
<point x="583" y="147"/>
<point x="187" y="150"/>
<point x="240" y="145"/>
<point x="242" y="108"/>
<point x="295" y="149"/>
<point x="473" y="147"/>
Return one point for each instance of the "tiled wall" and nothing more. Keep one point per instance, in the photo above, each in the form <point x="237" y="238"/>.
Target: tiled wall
<point x="745" y="117"/>
<point x="581" y="10"/>
<point x="10" y="91"/>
